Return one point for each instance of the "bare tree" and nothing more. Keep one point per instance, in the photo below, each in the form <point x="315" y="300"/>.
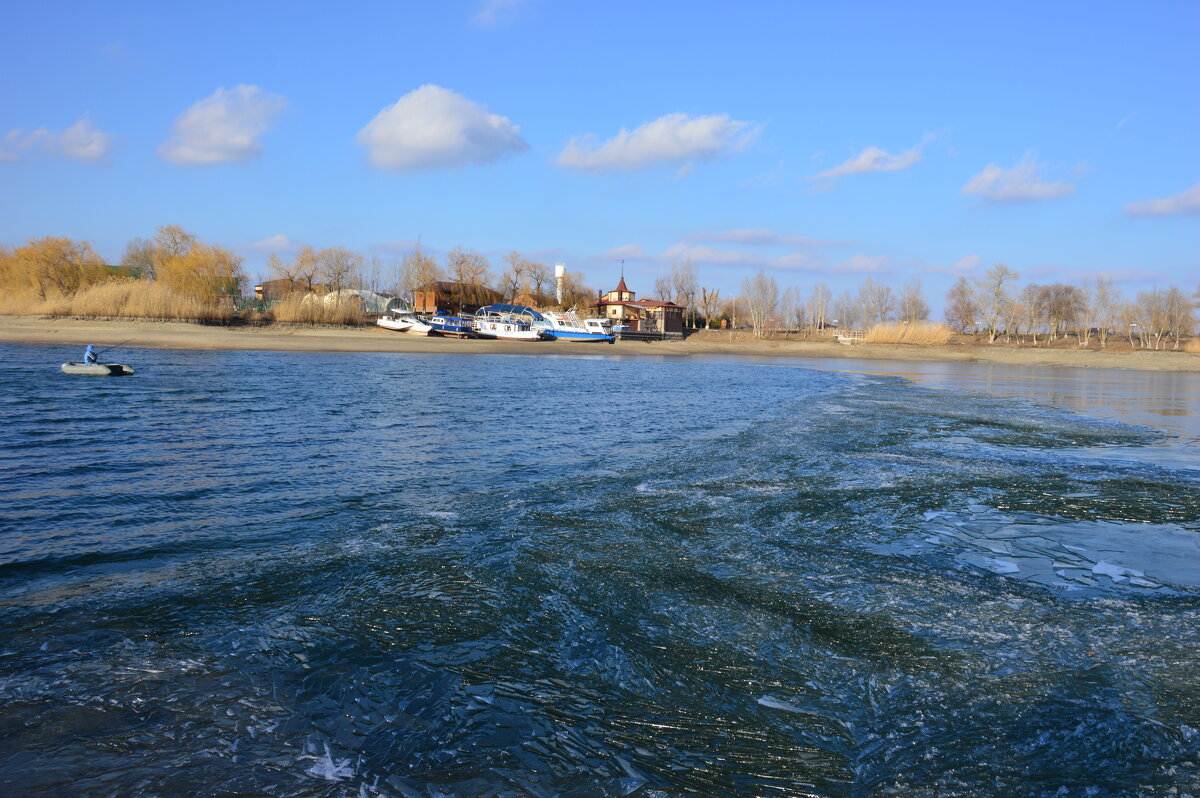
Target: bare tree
<point x="470" y="270"/>
<point x="515" y="279"/>
<point x="1032" y="298"/>
<point x="993" y="293"/>
<point x="539" y="278"/>
<point x="663" y="287"/>
<point x="307" y="268"/>
<point x="418" y="271"/>
<point x="761" y="294"/>
<point x="876" y="301"/>
<point x="282" y="270"/>
<point x="710" y="303"/>
<point x="141" y="258"/>
<point x="962" y="310"/>
<point x="1105" y="305"/>
<point x="846" y="311"/>
<point x="1062" y="306"/>
<point x="340" y="268"/>
<point x="818" y="306"/>
<point x="173" y="241"/>
<point x="575" y="292"/>
<point x="1181" y="320"/>
<point x="683" y="280"/>
<point x="913" y="308"/>
<point x="791" y="308"/>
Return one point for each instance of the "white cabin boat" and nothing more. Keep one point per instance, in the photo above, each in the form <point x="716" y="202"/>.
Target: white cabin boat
<point x="567" y="326"/>
<point x="508" y="323"/>
<point x="405" y="321"/>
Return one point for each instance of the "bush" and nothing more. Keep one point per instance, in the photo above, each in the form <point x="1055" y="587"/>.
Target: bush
<point x="1192" y="346"/>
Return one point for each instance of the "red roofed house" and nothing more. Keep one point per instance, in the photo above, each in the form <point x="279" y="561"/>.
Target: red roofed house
<point x="640" y="315"/>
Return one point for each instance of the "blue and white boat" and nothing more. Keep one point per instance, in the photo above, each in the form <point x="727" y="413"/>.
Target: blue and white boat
<point x="452" y="326"/>
<point x="567" y="326"/>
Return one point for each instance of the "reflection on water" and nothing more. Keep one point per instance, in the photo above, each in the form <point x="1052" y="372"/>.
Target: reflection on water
<point x="1169" y="400"/>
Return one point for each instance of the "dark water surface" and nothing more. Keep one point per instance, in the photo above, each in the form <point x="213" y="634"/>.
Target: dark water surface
<point x="330" y="574"/>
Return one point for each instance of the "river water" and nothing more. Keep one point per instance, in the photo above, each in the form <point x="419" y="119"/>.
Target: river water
<point x="589" y="575"/>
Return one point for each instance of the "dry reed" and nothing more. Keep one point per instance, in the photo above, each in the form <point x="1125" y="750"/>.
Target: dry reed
<point x="119" y="299"/>
<point x="1192" y="346"/>
<point x="310" y="309"/>
<point x="924" y="334"/>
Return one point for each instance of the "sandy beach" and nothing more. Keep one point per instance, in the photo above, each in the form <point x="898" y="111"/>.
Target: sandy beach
<point x="74" y="333"/>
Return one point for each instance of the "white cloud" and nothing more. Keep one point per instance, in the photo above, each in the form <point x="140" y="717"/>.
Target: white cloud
<point x="492" y="12"/>
<point x="1181" y="203"/>
<point x="275" y="243"/>
<point x="861" y="264"/>
<point x="704" y="255"/>
<point x="1022" y="183"/>
<point x="872" y="159"/>
<point x="674" y="139"/>
<point x="82" y="141"/>
<point x="432" y="127"/>
<point x="222" y="128"/>
<point x="760" y="237"/>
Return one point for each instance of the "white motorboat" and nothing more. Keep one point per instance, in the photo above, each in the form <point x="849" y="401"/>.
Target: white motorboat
<point x="508" y="323"/>
<point x="567" y="326"/>
<point x="405" y="321"/>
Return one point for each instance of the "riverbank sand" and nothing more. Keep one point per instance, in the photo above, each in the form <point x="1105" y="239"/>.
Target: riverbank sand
<point x="74" y="333"/>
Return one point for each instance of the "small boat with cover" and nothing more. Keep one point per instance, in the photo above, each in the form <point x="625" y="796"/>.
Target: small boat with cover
<point x="97" y="369"/>
<point x="91" y="365"/>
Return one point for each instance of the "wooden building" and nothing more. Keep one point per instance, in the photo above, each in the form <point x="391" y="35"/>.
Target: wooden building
<point x="640" y="315"/>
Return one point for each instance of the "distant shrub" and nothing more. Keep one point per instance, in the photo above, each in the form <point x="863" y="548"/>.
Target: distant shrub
<point x="923" y="334"/>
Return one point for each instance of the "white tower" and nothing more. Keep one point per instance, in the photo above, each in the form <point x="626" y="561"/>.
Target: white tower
<point x="560" y="276"/>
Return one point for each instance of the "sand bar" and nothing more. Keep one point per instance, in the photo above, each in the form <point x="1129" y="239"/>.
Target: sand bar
<point x="71" y="332"/>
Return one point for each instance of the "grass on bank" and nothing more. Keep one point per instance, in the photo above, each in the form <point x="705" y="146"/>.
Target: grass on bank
<point x="150" y="299"/>
<point x="924" y="334"/>
<point x="308" y="309"/>
<point x="120" y="299"/>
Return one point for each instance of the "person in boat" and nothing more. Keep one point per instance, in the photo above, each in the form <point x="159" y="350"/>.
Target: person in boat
<point x="89" y="355"/>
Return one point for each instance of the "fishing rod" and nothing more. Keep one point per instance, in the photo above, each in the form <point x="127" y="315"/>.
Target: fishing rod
<point x="114" y="346"/>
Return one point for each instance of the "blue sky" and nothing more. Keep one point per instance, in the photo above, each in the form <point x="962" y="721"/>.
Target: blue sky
<point x="822" y="142"/>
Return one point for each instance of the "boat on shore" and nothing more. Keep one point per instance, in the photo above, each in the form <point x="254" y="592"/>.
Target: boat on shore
<point x="507" y="323"/>
<point x="97" y="369"/>
<point x="452" y="326"/>
<point x="405" y="321"/>
<point x="567" y="326"/>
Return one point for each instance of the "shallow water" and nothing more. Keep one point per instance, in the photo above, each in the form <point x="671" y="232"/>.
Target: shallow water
<point x="332" y="574"/>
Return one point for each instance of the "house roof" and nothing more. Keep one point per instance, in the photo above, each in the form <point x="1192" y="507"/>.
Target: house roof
<point x="640" y="303"/>
<point x="621" y="286"/>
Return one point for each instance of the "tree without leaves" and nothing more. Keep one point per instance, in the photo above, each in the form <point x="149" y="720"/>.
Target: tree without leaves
<point x="818" y="306"/>
<point x="419" y="271"/>
<point x="992" y="289"/>
<point x="470" y="270"/>
<point x="761" y="296"/>
<point x="876" y="302"/>
<point x="683" y="280"/>
<point x="340" y="268"/>
<point x="912" y="306"/>
<point x="710" y="304"/>
<point x="663" y="288"/>
<point x="846" y="311"/>
<point x="962" y="310"/>
<point x="1031" y="300"/>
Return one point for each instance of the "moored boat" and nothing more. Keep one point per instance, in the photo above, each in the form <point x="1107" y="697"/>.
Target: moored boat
<point x="452" y="326"/>
<point x="508" y="323"/>
<point x="405" y="321"/>
<point x="567" y="326"/>
<point x="97" y="369"/>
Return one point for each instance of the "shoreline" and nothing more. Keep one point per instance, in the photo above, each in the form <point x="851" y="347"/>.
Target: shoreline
<point x="184" y="335"/>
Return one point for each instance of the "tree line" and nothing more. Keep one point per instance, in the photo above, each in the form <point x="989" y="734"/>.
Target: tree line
<point x="992" y="304"/>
